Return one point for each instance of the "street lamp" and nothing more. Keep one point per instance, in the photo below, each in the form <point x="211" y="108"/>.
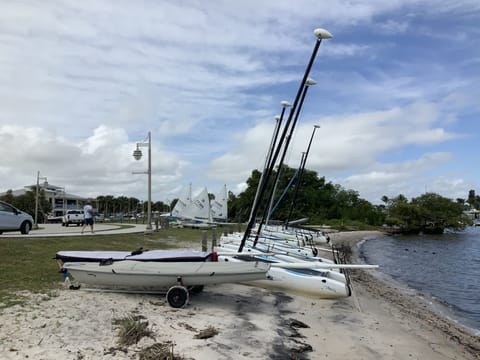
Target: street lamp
<point x="137" y="154"/>
<point x="35" y="226"/>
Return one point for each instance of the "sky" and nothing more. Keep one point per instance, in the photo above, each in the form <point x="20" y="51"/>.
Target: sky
<point x="82" y="82"/>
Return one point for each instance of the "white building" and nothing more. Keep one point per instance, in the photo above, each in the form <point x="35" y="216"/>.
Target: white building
<point x="60" y="200"/>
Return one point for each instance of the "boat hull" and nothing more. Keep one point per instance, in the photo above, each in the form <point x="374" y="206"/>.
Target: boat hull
<point x="306" y="281"/>
<point x="159" y="276"/>
<point x="294" y="280"/>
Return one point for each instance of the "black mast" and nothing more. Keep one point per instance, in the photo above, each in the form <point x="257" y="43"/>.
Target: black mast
<point x="299" y="176"/>
<point x="320" y="34"/>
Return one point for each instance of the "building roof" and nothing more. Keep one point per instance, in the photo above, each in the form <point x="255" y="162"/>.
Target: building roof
<point x="57" y="191"/>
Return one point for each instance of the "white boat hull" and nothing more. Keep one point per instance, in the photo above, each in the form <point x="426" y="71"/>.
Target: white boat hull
<point x="158" y="276"/>
<point x="293" y="280"/>
<point x="307" y="281"/>
<point x="270" y="245"/>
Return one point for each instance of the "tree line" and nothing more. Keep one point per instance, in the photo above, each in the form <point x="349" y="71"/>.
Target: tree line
<point x="105" y="204"/>
<point x="320" y="201"/>
<point x="323" y="202"/>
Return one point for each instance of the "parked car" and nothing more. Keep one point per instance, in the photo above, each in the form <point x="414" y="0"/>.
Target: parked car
<point x="73" y="217"/>
<point x="12" y="219"/>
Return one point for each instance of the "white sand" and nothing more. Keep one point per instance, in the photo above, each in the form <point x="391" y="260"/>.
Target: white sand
<point x="253" y="323"/>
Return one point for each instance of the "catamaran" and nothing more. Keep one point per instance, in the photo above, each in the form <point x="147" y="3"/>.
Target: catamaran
<point x="308" y="280"/>
<point x="271" y="244"/>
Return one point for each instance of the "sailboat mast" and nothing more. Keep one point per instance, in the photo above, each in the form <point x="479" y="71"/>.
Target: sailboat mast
<point x="268" y="158"/>
<point x="320" y="34"/>
<point x="308" y="83"/>
<point x="300" y="174"/>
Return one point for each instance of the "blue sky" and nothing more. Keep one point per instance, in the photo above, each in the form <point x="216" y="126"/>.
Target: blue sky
<point x="82" y="82"/>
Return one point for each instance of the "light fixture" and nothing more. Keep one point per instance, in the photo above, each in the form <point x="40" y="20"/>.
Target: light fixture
<point x="137" y="154"/>
<point x="322" y="34"/>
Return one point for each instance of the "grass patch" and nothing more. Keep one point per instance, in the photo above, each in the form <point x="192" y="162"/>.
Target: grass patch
<point x="159" y="351"/>
<point x="132" y="329"/>
<point x="26" y="264"/>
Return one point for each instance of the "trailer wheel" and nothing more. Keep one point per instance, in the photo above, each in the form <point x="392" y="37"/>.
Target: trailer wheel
<point x="177" y="296"/>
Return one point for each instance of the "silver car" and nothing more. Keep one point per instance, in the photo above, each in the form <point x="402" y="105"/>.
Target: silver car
<point x="12" y="219"/>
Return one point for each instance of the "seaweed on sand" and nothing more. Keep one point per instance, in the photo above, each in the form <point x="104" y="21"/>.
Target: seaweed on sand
<point x="132" y="329"/>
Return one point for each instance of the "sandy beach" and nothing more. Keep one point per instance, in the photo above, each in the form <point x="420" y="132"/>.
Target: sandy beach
<point x="377" y="322"/>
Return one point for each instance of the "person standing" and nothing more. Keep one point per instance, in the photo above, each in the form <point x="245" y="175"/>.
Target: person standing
<point x="88" y="215"/>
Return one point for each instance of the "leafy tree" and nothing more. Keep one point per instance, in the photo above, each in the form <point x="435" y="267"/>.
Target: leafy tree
<point x="316" y="199"/>
<point x="428" y="213"/>
<point x="26" y="202"/>
<point x="473" y="200"/>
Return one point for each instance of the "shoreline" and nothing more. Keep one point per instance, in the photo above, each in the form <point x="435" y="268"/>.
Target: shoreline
<point x="408" y="301"/>
<point x="377" y="322"/>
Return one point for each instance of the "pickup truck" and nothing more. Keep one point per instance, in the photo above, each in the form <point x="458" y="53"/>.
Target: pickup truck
<point x="73" y="217"/>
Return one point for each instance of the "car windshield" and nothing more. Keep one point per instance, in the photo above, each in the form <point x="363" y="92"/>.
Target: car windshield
<point x="7" y="208"/>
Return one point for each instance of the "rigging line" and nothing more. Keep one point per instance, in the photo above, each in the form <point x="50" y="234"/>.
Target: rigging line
<point x="268" y="159"/>
<point x="287" y="142"/>
<point x="283" y="194"/>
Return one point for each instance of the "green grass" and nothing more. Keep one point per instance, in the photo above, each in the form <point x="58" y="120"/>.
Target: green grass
<point x="27" y="264"/>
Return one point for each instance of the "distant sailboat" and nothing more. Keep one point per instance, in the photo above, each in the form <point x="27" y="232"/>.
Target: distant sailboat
<point x="200" y="211"/>
<point x="218" y="206"/>
<point x="182" y="204"/>
<point x="199" y="207"/>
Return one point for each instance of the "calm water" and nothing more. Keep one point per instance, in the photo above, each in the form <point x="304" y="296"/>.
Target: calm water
<point x="445" y="266"/>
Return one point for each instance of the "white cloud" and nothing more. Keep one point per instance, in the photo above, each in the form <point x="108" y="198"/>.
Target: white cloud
<point x="392" y="27"/>
<point x="86" y="80"/>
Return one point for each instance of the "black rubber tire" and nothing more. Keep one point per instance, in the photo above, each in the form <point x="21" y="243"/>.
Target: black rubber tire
<point x="25" y="227"/>
<point x="177" y="296"/>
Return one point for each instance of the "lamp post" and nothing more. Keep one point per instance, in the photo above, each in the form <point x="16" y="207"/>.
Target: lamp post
<point x="137" y="154"/>
<point x="35" y="226"/>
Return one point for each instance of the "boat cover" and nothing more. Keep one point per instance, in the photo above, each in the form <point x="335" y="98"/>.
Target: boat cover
<point x="139" y="255"/>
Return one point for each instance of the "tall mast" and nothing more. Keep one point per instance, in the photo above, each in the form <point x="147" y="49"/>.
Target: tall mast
<point x="320" y="34"/>
<point x="299" y="177"/>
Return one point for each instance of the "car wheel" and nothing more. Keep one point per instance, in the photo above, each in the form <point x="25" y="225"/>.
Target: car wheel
<point x="25" y="228"/>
